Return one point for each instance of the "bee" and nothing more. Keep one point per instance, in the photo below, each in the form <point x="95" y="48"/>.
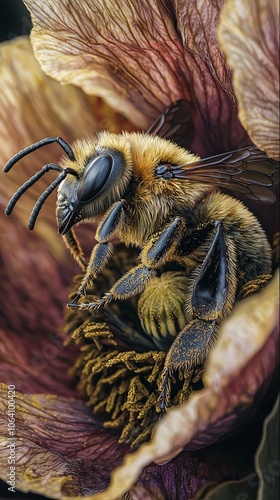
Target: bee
<point x="159" y="197"/>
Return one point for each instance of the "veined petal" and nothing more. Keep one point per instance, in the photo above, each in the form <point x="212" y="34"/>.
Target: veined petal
<point x="33" y="294"/>
<point x="60" y="449"/>
<point x="249" y="35"/>
<point x="141" y="56"/>
<point x="215" y="409"/>
<point x="210" y="78"/>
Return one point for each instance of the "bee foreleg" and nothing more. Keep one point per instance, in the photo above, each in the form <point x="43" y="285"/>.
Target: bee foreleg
<point x="103" y="251"/>
<point x="110" y="222"/>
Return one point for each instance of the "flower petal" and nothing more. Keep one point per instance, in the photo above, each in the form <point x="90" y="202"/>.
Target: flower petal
<point x="243" y="336"/>
<point x="210" y="78"/>
<point x="266" y="465"/>
<point x="231" y="490"/>
<point x="214" y="410"/>
<point x="140" y="57"/>
<point x="60" y="449"/>
<point x="33" y="294"/>
<point x="249" y="36"/>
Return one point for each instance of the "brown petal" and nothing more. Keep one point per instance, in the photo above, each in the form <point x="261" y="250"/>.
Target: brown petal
<point x="140" y="57"/>
<point x="60" y="449"/>
<point x="249" y="36"/>
<point x="216" y="122"/>
<point x="33" y="295"/>
<point x="214" y="410"/>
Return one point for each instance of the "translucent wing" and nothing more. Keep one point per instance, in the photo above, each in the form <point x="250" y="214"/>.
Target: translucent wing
<point x="175" y="124"/>
<point x="248" y="171"/>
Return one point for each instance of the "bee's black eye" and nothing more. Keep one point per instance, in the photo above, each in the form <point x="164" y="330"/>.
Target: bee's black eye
<point x="95" y="177"/>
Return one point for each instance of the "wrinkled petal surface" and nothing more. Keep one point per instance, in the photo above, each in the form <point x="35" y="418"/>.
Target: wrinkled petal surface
<point x="267" y="456"/>
<point x="33" y="106"/>
<point x="33" y="294"/>
<point x="249" y="35"/>
<point x="264" y="484"/>
<point x="62" y="451"/>
<point x="140" y="57"/>
<point x="60" y="448"/>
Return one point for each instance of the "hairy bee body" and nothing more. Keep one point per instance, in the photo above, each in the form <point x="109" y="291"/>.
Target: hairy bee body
<point x="156" y="202"/>
<point x="149" y="207"/>
<point x="159" y="197"/>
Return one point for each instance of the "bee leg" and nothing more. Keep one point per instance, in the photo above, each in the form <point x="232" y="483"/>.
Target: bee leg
<point x="212" y="298"/>
<point x="134" y="281"/>
<point x="110" y="222"/>
<point x="103" y="251"/>
<point x="254" y="285"/>
<point x="162" y="398"/>
<point x="188" y="350"/>
<point x="156" y="250"/>
<point x="74" y="247"/>
<point x="100" y="255"/>
<point x="130" y="284"/>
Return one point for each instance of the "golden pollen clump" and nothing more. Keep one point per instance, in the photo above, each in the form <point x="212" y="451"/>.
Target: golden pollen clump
<point x="161" y="307"/>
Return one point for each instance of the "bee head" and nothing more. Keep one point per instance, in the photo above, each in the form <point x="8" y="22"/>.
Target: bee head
<point x="100" y="179"/>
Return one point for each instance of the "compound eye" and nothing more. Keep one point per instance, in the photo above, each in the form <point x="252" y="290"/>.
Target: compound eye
<point x="95" y="177"/>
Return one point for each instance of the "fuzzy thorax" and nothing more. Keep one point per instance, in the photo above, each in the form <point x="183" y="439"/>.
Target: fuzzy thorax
<point x="151" y="201"/>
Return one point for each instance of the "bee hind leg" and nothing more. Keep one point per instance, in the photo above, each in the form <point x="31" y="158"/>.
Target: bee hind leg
<point x="213" y="292"/>
<point x="188" y="350"/>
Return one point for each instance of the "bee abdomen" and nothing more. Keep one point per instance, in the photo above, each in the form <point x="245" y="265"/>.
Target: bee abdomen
<point x="161" y="307"/>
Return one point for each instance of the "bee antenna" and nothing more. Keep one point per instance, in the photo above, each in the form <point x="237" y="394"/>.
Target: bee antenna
<point x="27" y="185"/>
<point x="48" y="140"/>
<point x="37" y="207"/>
